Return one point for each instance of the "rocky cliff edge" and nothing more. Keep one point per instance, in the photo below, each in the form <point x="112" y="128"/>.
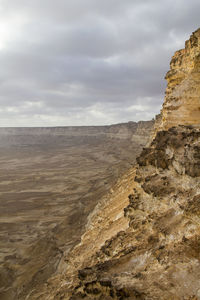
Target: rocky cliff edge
<point x="182" y="97"/>
<point x="143" y="240"/>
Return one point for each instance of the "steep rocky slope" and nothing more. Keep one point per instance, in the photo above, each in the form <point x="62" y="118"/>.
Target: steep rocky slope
<point x="157" y="256"/>
<point x="150" y="248"/>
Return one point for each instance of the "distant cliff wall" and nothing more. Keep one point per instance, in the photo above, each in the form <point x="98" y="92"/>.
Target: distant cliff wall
<point x="133" y="131"/>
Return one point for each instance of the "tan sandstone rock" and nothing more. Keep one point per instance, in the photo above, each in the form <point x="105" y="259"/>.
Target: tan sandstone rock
<point x="182" y="99"/>
<point x="157" y="256"/>
<point x="148" y="248"/>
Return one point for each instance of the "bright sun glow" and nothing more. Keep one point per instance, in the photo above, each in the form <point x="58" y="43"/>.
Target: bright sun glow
<point x="10" y="29"/>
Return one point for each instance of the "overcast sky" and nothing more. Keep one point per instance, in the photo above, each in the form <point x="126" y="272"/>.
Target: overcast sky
<point x="88" y="62"/>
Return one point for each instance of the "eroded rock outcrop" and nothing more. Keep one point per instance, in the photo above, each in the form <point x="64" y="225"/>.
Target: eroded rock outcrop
<point x="143" y="241"/>
<point x="157" y="256"/>
<point x="182" y="100"/>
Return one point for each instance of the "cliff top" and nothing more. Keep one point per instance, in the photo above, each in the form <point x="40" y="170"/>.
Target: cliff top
<point x="182" y="97"/>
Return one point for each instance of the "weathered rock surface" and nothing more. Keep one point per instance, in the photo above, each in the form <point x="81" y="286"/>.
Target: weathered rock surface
<point x="155" y="256"/>
<point x="182" y="100"/>
<point x="148" y="248"/>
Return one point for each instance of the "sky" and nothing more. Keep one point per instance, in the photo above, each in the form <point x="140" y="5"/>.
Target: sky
<point x="88" y="62"/>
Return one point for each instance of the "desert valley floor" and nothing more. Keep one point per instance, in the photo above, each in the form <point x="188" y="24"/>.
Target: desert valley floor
<point x="49" y="183"/>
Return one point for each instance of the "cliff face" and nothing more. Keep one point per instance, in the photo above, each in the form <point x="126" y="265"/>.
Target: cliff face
<point x="146" y="245"/>
<point x="157" y="255"/>
<point x="123" y="130"/>
<point x="136" y="132"/>
<point x="182" y="100"/>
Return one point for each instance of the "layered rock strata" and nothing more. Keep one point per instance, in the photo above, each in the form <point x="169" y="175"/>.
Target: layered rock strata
<point x="148" y="248"/>
<point x="182" y="99"/>
<point x="157" y="256"/>
<point x="123" y="131"/>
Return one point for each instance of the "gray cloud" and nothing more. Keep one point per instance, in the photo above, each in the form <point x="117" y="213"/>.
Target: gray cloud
<point x="88" y="62"/>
